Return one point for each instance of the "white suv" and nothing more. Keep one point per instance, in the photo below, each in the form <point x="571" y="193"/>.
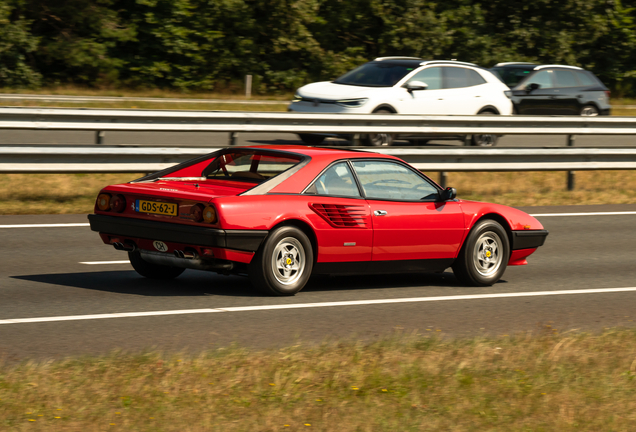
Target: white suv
<point x="407" y="85"/>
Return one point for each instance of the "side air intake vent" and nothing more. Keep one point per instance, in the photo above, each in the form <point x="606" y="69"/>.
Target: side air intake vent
<point x="342" y="216"/>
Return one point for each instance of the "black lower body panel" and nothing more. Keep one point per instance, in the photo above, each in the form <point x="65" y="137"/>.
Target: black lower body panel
<point x="528" y="239"/>
<point x="245" y="240"/>
<point x="383" y="267"/>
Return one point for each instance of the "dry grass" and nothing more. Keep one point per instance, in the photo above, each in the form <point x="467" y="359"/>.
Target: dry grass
<point x="76" y="193"/>
<point x="573" y="382"/>
<point x="155" y="105"/>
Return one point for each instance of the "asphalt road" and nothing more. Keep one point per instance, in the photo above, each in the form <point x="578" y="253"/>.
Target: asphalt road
<point x="42" y="276"/>
<point x="212" y="139"/>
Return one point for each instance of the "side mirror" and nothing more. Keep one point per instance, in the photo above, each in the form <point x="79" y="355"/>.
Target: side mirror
<point x="415" y="85"/>
<point x="532" y="87"/>
<point x="448" y="194"/>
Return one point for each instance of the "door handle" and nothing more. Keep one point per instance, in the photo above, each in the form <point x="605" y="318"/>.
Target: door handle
<point x="380" y="213"/>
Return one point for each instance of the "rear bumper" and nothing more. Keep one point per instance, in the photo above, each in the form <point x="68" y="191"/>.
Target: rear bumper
<point x="528" y="239"/>
<point x="242" y="240"/>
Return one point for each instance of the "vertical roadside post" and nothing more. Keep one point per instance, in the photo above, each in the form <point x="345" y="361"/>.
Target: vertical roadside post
<point x="232" y="140"/>
<point x="571" y="177"/>
<point x="99" y="137"/>
<point x="443" y="177"/>
<point x="248" y="86"/>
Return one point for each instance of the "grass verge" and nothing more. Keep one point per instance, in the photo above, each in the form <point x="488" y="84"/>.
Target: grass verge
<point x="547" y="382"/>
<point x="76" y="193"/>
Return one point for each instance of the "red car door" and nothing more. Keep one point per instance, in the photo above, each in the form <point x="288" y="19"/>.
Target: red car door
<point x="409" y="223"/>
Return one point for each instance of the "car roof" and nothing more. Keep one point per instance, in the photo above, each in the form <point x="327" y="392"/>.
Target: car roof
<point x="319" y="152"/>
<point x="536" y="66"/>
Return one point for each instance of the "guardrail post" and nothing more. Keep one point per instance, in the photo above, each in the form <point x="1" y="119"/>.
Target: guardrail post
<point x="571" y="175"/>
<point x="99" y="137"/>
<point x="443" y="177"/>
<point x="356" y="141"/>
<point x="233" y="136"/>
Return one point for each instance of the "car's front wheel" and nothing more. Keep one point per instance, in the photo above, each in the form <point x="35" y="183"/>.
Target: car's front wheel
<point x="589" y="111"/>
<point x="150" y="270"/>
<point x="380" y="139"/>
<point x="282" y="266"/>
<point x="484" y="256"/>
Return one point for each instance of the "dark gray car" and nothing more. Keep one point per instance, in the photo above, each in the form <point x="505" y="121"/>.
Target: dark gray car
<point x="554" y="89"/>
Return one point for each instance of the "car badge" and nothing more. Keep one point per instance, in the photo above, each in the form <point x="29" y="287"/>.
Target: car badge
<point x="160" y="246"/>
<point x="288" y="261"/>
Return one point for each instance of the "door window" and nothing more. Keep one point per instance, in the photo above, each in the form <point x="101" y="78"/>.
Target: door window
<point x="337" y="180"/>
<point x="565" y="79"/>
<point x="384" y="180"/>
<point x="431" y="76"/>
<point x="543" y="78"/>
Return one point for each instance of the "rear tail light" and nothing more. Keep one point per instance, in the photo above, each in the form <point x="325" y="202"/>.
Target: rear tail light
<point x="209" y="214"/>
<point x="607" y="93"/>
<point x="118" y="203"/>
<point x="197" y="212"/>
<point x="103" y="202"/>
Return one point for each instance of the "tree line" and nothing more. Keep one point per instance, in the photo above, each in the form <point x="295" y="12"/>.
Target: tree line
<point x="212" y="44"/>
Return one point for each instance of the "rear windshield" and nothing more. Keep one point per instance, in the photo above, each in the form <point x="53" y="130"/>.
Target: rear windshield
<point x="376" y="74"/>
<point x="511" y="76"/>
<point x="249" y="166"/>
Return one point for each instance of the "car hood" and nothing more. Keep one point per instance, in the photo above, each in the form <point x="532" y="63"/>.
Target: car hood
<point x="329" y="90"/>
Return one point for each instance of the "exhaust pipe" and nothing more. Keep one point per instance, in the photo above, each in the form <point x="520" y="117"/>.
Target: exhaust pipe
<point x="128" y="247"/>
<point x="187" y="254"/>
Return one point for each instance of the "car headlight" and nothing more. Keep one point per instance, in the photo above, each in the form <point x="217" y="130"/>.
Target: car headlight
<point x="297" y="98"/>
<point x="508" y="94"/>
<point x="352" y="103"/>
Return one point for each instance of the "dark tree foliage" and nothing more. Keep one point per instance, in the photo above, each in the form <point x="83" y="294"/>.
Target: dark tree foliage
<point x="213" y="44"/>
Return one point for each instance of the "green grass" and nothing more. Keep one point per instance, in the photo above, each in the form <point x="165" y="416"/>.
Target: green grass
<point x="525" y="382"/>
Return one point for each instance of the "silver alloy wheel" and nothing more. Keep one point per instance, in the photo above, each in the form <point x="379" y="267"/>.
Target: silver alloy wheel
<point x="589" y="111"/>
<point x="487" y="255"/>
<point x="288" y="261"/>
<point x="380" y="139"/>
<point x="484" y="140"/>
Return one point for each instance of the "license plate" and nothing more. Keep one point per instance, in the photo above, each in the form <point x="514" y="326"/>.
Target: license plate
<point x="153" y="207"/>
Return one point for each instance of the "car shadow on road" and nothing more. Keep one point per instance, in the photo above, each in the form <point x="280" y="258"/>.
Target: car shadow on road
<point x="196" y="283"/>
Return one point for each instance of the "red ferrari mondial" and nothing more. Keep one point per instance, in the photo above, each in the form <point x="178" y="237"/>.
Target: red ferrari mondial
<point x="282" y="213"/>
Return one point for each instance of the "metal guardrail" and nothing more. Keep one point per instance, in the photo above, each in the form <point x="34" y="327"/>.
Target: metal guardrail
<point x="102" y="159"/>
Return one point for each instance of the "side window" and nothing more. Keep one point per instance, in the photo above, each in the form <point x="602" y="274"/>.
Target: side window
<point x="455" y="77"/>
<point x="474" y="78"/>
<point x="543" y="78"/>
<point x="336" y="181"/>
<point x="383" y="180"/>
<point x="565" y="79"/>
<point x="431" y="76"/>
<point x="585" y="79"/>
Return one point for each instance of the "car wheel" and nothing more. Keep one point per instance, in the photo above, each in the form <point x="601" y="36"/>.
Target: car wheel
<point x="311" y="139"/>
<point x="282" y="266"/>
<point x="484" y="256"/>
<point x="589" y="111"/>
<point x="484" y="140"/>
<point x="152" y="271"/>
<point x="378" y="140"/>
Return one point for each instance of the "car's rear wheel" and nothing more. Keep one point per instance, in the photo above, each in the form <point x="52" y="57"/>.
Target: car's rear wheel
<point x="311" y="139"/>
<point x="589" y="111"/>
<point x="484" y="140"/>
<point x="381" y="139"/>
<point x="152" y="271"/>
<point x="282" y="266"/>
<point x="484" y="256"/>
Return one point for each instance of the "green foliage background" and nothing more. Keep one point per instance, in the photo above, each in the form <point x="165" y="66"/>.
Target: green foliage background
<point x="213" y="44"/>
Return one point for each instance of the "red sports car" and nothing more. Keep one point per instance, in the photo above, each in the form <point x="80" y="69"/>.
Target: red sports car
<point x="282" y="213"/>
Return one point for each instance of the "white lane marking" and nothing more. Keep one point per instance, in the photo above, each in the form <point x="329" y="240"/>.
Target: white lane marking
<point x="585" y="214"/>
<point x="105" y="262"/>
<point x="60" y="225"/>
<point x="316" y="305"/>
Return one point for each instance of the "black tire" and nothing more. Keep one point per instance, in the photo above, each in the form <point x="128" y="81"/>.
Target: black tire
<point x="152" y="271"/>
<point x="484" y="140"/>
<point x="478" y="264"/>
<point x="379" y="140"/>
<point x="589" y="111"/>
<point x="286" y="249"/>
<point x="311" y="139"/>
